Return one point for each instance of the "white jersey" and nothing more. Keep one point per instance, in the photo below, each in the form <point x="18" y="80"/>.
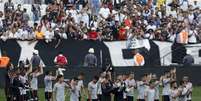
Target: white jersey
<point x="189" y="87"/>
<point x="48" y="83"/>
<point x="141" y="89"/>
<point x="80" y="85"/>
<point x="183" y="94"/>
<point x="157" y="97"/>
<point x="59" y="89"/>
<point x="74" y="94"/>
<point x="173" y="95"/>
<point x="150" y="94"/>
<point x="166" y="88"/>
<point x="99" y="89"/>
<point x="34" y="81"/>
<point x="130" y="84"/>
<point x="92" y="88"/>
<point x="24" y="80"/>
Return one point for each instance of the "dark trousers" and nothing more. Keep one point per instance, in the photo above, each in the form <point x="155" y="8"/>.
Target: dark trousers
<point x="48" y="96"/>
<point x="129" y="98"/>
<point x="80" y="98"/>
<point x="165" y="98"/>
<point x="99" y="97"/>
<point x="18" y="98"/>
<point x="141" y="100"/>
<point x="35" y="95"/>
<point x="92" y="100"/>
<point x="156" y="100"/>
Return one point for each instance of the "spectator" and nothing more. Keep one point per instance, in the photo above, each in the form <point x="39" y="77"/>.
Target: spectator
<point x="36" y="12"/>
<point x="188" y="59"/>
<point x="90" y="59"/>
<point x="39" y="34"/>
<point x="8" y="7"/>
<point x="193" y="34"/>
<point x="93" y="35"/>
<point x="94" y="6"/>
<point x="25" y="16"/>
<point x="49" y="35"/>
<point x="104" y="12"/>
<point x="84" y="17"/>
<point x="123" y="17"/>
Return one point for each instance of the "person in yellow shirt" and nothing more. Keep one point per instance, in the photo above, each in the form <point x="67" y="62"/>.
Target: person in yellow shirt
<point x="160" y="3"/>
<point x="39" y="34"/>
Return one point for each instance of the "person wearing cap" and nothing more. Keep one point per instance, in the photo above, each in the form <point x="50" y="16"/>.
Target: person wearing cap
<point x="188" y="59"/>
<point x="60" y="60"/>
<point x="93" y="35"/>
<point x="90" y="59"/>
<point x="35" y="59"/>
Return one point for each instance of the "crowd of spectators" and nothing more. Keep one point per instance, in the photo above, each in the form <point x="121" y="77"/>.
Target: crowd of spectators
<point x="164" y="20"/>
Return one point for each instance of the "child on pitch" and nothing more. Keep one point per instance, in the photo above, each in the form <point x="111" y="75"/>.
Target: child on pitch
<point x="189" y="86"/>
<point x="166" y="86"/>
<point x="74" y="90"/>
<point x="150" y="92"/>
<point x="130" y="86"/>
<point x="59" y="89"/>
<point x="34" y="82"/>
<point x="48" y="81"/>
<point x="81" y="85"/>
<point x="141" y="88"/>
<point x="174" y="93"/>
<point x="92" y="89"/>
<point x="183" y="92"/>
<point x="157" y="85"/>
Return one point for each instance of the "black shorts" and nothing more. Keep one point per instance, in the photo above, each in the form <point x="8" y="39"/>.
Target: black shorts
<point x="93" y="100"/>
<point x="156" y="100"/>
<point x="141" y="100"/>
<point x="48" y="95"/>
<point x="129" y="98"/>
<point x="165" y="98"/>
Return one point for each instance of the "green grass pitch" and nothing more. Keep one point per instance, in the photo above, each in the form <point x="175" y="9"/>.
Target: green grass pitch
<point x="196" y="95"/>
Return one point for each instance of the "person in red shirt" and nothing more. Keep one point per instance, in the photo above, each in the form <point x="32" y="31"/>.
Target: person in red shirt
<point x="60" y="60"/>
<point x="93" y="35"/>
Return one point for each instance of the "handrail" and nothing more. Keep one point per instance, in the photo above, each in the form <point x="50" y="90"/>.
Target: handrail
<point x="163" y="57"/>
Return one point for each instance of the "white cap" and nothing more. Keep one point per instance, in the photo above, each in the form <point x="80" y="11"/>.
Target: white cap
<point x="147" y="36"/>
<point x="56" y="29"/>
<point x="93" y="28"/>
<point x="91" y="50"/>
<point x="127" y="27"/>
<point x="35" y="52"/>
<point x="188" y="51"/>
